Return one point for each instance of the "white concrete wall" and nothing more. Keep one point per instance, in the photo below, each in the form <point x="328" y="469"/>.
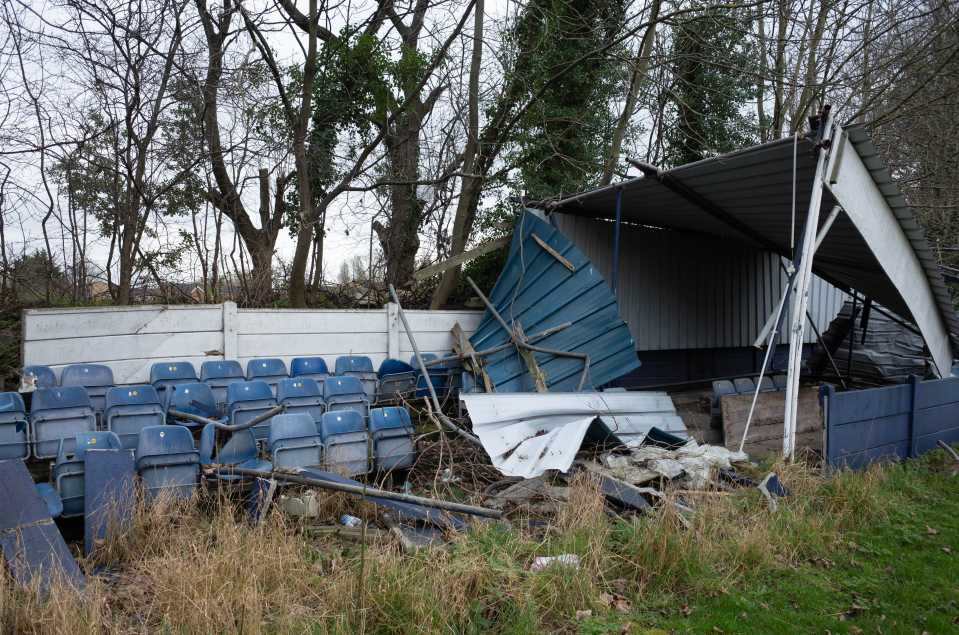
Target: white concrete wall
<point x="131" y="339"/>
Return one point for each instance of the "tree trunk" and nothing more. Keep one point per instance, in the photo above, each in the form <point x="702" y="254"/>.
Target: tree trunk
<point x="640" y="69"/>
<point x="399" y="238"/>
<point x="304" y="234"/>
<point x="462" y="226"/>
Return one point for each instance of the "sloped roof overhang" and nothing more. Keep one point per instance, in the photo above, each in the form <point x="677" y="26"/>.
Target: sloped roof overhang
<point x="760" y="196"/>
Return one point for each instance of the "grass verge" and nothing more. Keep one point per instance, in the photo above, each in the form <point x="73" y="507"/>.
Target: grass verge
<point x="859" y="552"/>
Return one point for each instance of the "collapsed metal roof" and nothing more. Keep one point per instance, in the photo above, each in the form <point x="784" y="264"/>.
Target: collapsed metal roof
<point x="760" y="196"/>
<point x="548" y="285"/>
<point x="526" y="434"/>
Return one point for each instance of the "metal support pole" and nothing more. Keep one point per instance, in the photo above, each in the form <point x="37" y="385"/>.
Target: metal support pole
<point x="791" y="276"/>
<point x="852" y="334"/>
<point x="616" y="230"/>
<point x="429" y="382"/>
<point x="361" y="490"/>
<point x="800" y="300"/>
<point x="179" y="414"/>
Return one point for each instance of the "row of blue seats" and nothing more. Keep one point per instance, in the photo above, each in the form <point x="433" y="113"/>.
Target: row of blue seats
<point x="394" y="378"/>
<point x="168" y="462"/>
<point x="61" y="413"/>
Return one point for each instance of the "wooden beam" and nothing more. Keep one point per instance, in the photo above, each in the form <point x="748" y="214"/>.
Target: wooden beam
<point x="539" y="377"/>
<point x="459" y="259"/>
<point x="462" y="346"/>
<point x="552" y="252"/>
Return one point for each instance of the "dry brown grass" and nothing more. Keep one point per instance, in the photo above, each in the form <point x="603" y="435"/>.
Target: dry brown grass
<point x="202" y="568"/>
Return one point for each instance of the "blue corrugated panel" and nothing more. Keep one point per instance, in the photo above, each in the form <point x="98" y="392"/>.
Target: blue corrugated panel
<point x="538" y="291"/>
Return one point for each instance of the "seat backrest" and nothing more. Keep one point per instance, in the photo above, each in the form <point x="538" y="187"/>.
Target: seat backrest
<point x="221" y="369"/>
<point x="172" y="371"/>
<point x="58" y="398"/>
<point x="308" y="366"/>
<point x="12" y="402"/>
<point x="353" y="364"/>
<point x="291" y="426"/>
<point x="268" y="367"/>
<point x="298" y="387"/>
<point x="42" y="376"/>
<point x="341" y="422"/>
<point x="338" y="386"/>
<point x="436" y="369"/>
<point x="164" y="440"/>
<point x="131" y="396"/>
<point x="86" y="375"/>
<point x="393" y="367"/>
<point x="94" y="441"/>
<point x="194" y="398"/>
<point x="248" y="391"/>
<point x="240" y="447"/>
<point x="391" y="417"/>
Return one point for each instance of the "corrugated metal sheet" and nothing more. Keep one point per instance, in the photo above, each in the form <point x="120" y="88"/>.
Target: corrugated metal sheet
<point x="526" y="434"/>
<point x="914" y="232"/>
<point x="679" y="290"/>
<point x="538" y="292"/>
<point x="754" y="186"/>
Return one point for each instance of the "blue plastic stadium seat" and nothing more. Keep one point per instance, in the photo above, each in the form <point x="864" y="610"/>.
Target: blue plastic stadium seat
<point x="301" y="395"/>
<point x="295" y="441"/>
<point x="270" y="370"/>
<point x="220" y="374"/>
<point x="779" y="381"/>
<point x="167" y="462"/>
<point x="247" y="400"/>
<point x="468" y="383"/>
<point x="96" y="378"/>
<point x="313" y="367"/>
<point x="238" y="450"/>
<point x="744" y="385"/>
<point x="345" y="443"/>
<point x="195" y="398"/>
<point x="391" y="434"/>
<point x="69" y="468"/>
<point x="129" y="409"/>
<point x="396" y="380"/>
<point x="59" y="413"/>
<point x="14" y="440"/>
<point x="438" y="374"/>
<point x="346" y="393"/>
<point x="720" y="387"/>
<point x="361" y="367"/>
<point x="165" y="374"/>
<point x="766" y="384"/>
<point x="38" y="377"/>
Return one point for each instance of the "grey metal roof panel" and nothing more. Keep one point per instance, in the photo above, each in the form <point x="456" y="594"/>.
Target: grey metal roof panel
<point x="754" y="185"/>
<point x="527" y="434"/>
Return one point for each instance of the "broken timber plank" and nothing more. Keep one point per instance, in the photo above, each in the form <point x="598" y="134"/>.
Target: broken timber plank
<point x="766" y="429"/>
<point x="459" y="259"/>
<point x="539" y="378"/>
<point x="552" y="252"/>
<point x="462" y="346"/>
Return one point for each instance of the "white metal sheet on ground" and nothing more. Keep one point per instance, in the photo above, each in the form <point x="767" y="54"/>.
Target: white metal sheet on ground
<point x="526" y="434"/>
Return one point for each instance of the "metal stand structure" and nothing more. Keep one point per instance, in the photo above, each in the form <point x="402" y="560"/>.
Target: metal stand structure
<point x="800" y="299"/>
